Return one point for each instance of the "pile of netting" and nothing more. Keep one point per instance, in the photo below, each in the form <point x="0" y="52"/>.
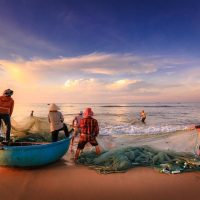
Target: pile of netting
<point x="31" y="129"/>
<point x="122" y="159"/>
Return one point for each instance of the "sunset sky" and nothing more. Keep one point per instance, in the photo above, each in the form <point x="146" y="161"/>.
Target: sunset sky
<point x="83" y="51"/>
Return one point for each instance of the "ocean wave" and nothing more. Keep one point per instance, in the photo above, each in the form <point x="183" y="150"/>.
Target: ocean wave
<point x="140" y="130"/>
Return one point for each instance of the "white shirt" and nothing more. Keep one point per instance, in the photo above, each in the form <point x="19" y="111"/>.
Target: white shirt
<point x="56" y="120"/>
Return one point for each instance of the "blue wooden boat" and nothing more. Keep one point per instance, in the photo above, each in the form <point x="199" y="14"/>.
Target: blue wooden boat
<point x="26" y="154"/>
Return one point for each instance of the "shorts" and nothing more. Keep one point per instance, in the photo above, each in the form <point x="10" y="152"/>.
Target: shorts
<point x="143" y="119"/>
<point x="81" y="143"/>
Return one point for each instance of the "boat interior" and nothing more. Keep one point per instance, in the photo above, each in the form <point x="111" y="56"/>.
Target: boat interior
<point x="22" y="143"/>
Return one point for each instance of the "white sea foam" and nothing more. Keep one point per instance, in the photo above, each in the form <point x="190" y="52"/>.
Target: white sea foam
<point x="124" y="118"/>
<point x="140" y="130"/>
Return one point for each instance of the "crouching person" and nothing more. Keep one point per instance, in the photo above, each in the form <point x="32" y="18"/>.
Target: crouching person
<point x="56" y="122"/>
<point x="89" y="132"/>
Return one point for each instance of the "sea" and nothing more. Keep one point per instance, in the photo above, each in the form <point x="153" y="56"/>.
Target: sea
<point x="124" y="119"/>
<point x="125" y="142"/>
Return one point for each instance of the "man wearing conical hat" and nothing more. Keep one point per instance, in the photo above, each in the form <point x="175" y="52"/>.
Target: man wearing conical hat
<point x="6" y="110"/>
<point x="89" y="132"/>
<point x="56" y="121"/>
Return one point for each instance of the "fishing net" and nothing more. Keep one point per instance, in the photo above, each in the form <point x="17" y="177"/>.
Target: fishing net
<point x="31" y="125"/>
<point x="30" y="129"/>
<point x="170" y="153"/>
<point x="120" y="160"/>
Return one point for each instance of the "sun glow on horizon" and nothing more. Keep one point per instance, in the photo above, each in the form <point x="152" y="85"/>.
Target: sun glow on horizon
<point x="122" y="83"/>
<point x="103" y="80"/>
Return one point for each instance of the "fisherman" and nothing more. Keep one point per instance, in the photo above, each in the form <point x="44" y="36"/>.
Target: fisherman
<point x="76" y="125"/>
<point x="56" y="121"/>
<point x="6" y="110"/>
<point x="89" y="132"/>
<point x="32" y="111"/>
<point x="197" y="127"/>
<point x="143" y="116"/>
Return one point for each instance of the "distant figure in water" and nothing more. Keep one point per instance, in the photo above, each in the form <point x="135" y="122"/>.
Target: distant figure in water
<point x="76" y="125"/>
<point x="143" y="116"/>
<point x="89" y="132"/>
<point x="31" y="115"/>
<point x="6" y="110"/>
<point x="56" y="121"/>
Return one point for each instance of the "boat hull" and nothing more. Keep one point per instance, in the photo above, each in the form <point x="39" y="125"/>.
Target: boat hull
<point x="33" y="155"/>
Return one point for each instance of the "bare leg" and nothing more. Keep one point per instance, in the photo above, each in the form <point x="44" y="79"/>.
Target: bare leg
<point x="73" y="137"/>
<point x="72" y="143"/>
<point x="97" y="150"/>
<point x="77" y="154"/>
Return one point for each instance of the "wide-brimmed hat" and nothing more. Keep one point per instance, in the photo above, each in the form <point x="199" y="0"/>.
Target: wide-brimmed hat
<point x="53" y="107"/>
<point x="88" y="112"/>
<point x="8" y="92"/>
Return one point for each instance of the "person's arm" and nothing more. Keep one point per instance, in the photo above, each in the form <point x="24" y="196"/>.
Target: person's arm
<point x="49" y="119"/>
<point x="193" y="127"/>
<point x="61" y="117"/>
<point x="73" y="122"/>
<point x="96" y="129"/>
<point x="12" y="107"/>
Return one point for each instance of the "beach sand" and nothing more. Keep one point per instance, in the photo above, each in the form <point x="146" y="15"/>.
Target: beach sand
<point x="64" y="180"/>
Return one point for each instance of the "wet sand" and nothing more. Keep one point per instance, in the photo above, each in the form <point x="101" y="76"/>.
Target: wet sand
<point x="63" y="180"/>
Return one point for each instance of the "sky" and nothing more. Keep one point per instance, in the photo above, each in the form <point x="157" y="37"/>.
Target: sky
<point x="100" y="51"/>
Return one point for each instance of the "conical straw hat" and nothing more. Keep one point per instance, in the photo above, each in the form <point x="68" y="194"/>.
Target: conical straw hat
<point x="53" y="107"/>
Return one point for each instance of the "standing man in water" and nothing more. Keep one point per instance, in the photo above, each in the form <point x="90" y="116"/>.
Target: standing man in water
<point x="89" y="132"/>
<point x="6" y="110"/>
<point x="143" y="116"/>
<point x="32" y="111"/>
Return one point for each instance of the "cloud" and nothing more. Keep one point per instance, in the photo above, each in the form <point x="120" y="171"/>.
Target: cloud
<point x="101" y="77"/>
<point x="80" y="84"/>
<point x="121" y="84"/>
<point x="96" y="63"/>
<point x="98" y="85"/>
<point x="87" y="66"/>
